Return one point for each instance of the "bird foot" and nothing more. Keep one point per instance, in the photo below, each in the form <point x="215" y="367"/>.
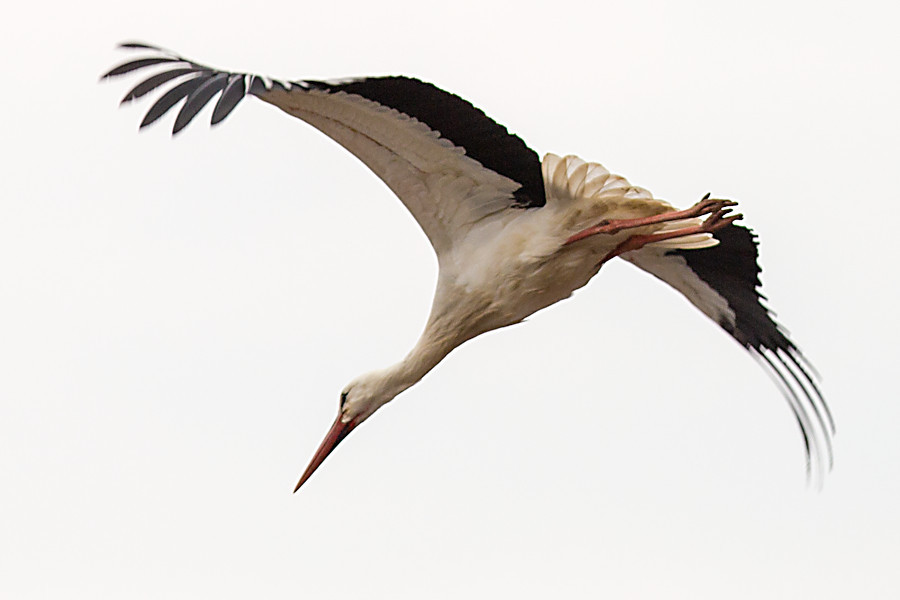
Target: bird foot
<point x="706" y="206"/>
<point x="716" y="221"/>
<point x="719" y="219"/>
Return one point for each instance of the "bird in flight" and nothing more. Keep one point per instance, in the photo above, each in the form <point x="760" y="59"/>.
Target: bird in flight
<point x="512" y="233"/>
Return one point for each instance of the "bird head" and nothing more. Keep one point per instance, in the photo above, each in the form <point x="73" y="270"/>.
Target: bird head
<point x="359" y="401"/>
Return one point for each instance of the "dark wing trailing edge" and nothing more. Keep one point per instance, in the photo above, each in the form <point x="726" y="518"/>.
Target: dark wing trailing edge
<point x="456" y="165"/>
<point x="723" y="281"/>
<point x="458" y="121"/>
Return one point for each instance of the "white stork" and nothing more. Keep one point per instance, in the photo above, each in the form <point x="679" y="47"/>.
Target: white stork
<point x="513" y="234"/>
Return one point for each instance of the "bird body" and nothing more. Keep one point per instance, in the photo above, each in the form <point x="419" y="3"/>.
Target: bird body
<point x="512" y="264"/>
<point x="513" y="234"/>
<point x="506" y="267"/>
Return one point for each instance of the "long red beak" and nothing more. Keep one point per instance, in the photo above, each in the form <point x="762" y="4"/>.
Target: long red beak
<point x="335" y="435"/>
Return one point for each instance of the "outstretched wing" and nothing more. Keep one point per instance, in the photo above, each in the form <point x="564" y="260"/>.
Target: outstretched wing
<point x="448" y="162"/>
<point x="723" y="282"/>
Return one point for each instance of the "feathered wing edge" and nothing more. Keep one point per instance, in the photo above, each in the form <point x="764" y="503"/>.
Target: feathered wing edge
<point x="448" y="162"/>
<point x="197" y="86"/>
<point x="449" y="117"/>
<point x="723" y="282"/>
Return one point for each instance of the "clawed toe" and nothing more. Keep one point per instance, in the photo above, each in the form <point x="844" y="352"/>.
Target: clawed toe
<point x="720" y="218"/>
<point x="710" y="206"/>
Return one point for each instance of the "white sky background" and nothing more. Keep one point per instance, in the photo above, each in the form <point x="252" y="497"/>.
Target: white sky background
<point x="177" y="317"/>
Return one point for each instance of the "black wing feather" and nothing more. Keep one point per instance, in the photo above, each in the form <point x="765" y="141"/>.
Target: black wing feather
<point x="790" y="394"/>
<point x="148" y="85"/>
<point x="140" y="45"/>
<point x="173" y="96"/>
<point x="140" y="63"/>
<point x="199" y="89"/>
<point x="234" y="91"/>
<point x="732" y="269"/>
<point x="198" y="99"/>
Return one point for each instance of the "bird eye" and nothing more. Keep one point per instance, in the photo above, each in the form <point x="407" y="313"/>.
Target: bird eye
<point x="343" y="398"/>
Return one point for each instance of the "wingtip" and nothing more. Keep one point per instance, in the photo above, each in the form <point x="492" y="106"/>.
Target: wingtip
<point x="133" y="45"/>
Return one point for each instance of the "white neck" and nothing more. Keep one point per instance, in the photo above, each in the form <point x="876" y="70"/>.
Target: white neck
<point x="431" y="349"/>
<point x="441" y="335"/>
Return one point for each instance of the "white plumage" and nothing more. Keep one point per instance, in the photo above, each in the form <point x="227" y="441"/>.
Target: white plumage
<point x="512" y="234"/>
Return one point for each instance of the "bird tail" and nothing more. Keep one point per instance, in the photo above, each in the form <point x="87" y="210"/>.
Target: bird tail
<point x="686" y="242"/>
<point x="569" y="178"/>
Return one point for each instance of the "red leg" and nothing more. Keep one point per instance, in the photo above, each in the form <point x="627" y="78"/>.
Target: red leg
<point x="715" y="222"/>
<point x="704" y="207"/>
